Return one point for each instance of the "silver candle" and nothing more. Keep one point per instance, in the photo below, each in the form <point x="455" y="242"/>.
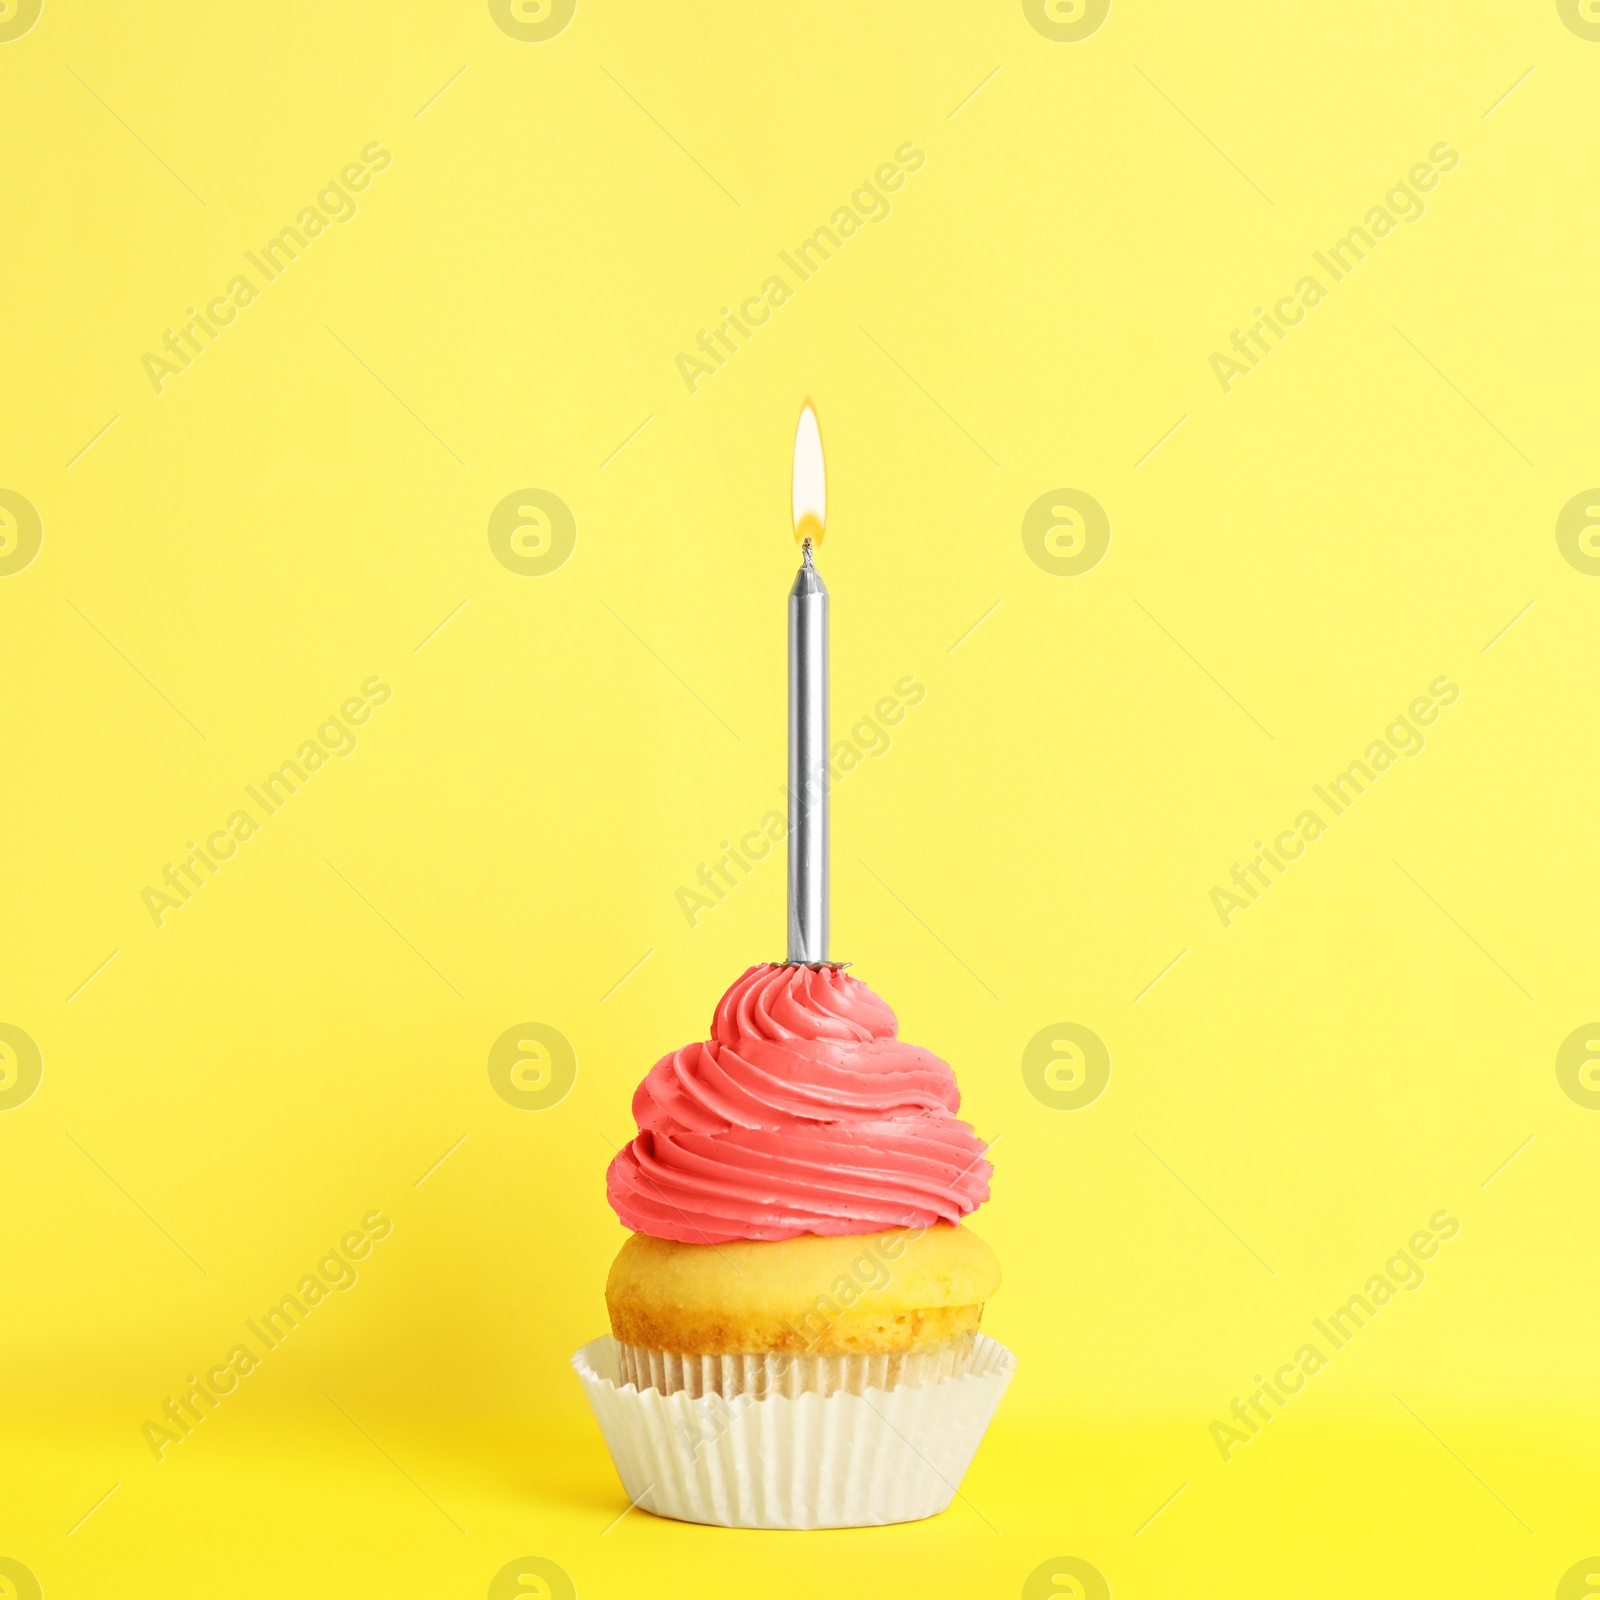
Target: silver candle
<point x="808" y="709"/>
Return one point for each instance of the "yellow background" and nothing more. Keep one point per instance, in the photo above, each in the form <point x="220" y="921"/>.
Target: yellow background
<point x="303" y="507"/>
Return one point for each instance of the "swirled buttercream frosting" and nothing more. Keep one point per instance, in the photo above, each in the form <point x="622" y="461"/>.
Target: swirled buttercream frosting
<point x="802" y="1113"/>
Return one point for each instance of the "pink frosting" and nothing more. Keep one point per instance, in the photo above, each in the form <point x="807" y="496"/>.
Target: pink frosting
<point x="802" y="1113"/>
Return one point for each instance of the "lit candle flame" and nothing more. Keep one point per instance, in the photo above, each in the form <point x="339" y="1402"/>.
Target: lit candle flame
<point x="810" y="499"/>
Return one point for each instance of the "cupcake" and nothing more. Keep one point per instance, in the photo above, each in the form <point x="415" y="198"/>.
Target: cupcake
<point x="795" y="1318"/>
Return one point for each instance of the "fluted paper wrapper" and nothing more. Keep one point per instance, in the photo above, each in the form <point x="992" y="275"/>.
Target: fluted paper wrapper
<point x="764" y="1374"/>
<point x="807" y="1460"/>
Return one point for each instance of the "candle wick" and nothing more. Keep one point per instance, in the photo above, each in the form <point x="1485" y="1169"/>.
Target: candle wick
<point x="805" y="552"/>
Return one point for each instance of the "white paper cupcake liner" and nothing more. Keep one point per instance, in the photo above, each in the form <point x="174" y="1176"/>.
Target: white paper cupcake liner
<point x="804" y="1461"/>
<point x="766" y="1374"/>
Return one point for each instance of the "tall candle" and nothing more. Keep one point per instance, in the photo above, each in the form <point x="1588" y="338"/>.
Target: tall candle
<point x="808" y="707"/>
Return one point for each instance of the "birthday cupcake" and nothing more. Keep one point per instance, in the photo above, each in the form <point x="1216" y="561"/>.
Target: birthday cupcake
<point x="795" y="1318"/>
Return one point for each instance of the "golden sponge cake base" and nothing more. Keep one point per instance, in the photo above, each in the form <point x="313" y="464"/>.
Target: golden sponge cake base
<point x="888" y="1292"/>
